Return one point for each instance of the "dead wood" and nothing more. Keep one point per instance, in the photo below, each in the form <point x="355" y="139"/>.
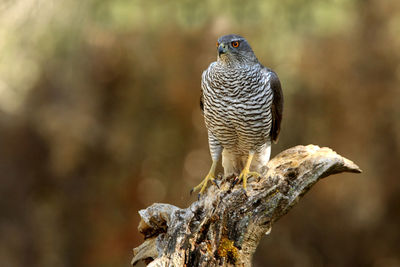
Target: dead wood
<point x="224" y="227"/>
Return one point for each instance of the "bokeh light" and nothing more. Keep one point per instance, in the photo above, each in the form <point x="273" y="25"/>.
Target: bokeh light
<point x="99" y="117"/>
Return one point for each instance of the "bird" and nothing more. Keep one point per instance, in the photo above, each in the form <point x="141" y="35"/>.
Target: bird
<point x="242" y="104"/>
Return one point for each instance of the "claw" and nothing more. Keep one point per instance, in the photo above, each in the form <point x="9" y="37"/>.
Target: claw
<point x="235" y="181"/>
<point x="210" y="176"/>
<point x="202" y="186"/>
<point x="215" y="182"/>
<point x="246" y="172"/>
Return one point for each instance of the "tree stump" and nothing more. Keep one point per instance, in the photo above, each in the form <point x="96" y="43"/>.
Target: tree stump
<point x="225" y="226"/>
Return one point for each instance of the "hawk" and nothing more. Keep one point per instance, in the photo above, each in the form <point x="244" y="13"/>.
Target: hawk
<point x="242" y="103"/>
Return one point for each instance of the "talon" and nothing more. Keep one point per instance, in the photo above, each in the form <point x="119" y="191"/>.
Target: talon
<point x="245" y="193"/>
<point x="235" y="181"/>
<point x="214" y="182"/>
<point x="246" y="172"/>
<point x="210" y="176"/>
<point x="202" y="186"/>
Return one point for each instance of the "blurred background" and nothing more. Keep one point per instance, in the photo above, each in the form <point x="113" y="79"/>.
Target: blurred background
<point x="99" y="117"/>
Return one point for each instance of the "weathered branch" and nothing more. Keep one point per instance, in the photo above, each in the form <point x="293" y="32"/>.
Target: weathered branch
<point x="224" y="227"/>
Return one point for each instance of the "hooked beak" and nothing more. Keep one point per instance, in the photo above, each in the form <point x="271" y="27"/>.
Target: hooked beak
<point x="222" y="49"/>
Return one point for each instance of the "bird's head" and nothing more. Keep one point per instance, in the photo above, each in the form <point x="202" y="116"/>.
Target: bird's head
<point x="234" y="49"/>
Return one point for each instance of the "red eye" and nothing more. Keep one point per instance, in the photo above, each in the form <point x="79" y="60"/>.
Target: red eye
<point x="235" y="44"/>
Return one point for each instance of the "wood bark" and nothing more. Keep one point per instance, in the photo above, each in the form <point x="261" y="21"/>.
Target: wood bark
<point x="224" y="227"/>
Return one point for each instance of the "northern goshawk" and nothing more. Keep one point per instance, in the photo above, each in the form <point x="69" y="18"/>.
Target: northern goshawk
<point x="242" y="102"/>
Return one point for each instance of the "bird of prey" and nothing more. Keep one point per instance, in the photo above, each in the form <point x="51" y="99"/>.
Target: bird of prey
<point x="242" y="103"/>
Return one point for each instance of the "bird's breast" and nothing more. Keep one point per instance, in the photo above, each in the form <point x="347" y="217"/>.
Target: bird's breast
<point x="237" y="109"/>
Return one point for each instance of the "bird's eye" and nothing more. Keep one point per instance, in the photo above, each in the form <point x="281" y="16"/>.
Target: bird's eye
<point x="217" y="44"/>
<point x="235" y="44"/>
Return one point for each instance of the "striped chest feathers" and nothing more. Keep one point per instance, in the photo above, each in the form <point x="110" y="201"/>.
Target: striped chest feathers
<point x="237" y="103"/>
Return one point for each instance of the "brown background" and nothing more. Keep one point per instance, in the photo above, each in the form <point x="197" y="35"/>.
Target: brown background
<point x="99" y="118"/>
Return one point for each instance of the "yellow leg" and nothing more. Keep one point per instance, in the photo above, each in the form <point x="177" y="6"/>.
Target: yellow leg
<point x="246" y="172"/>
<point x="210" y="176"/>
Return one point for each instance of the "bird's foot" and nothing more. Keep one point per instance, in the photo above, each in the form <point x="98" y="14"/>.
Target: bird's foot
<point x="245" y="174"/>
<point x="202" y="186"/>
<point x="210" y="177"/>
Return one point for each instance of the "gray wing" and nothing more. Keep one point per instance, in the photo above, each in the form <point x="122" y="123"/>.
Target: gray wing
<point x="277" y="105"/>
<point x="201" y="93"/>
<point x="201" y="100"/>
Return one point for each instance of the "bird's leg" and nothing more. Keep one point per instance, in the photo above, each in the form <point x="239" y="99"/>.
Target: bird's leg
<point x="210" y="176"/>
<point x="246" y="171"/>
<point x="215" y="151"/>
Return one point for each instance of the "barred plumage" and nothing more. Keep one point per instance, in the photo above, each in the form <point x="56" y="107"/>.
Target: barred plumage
<point x="242" y="103"/>
<point x="237" y="106"/>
